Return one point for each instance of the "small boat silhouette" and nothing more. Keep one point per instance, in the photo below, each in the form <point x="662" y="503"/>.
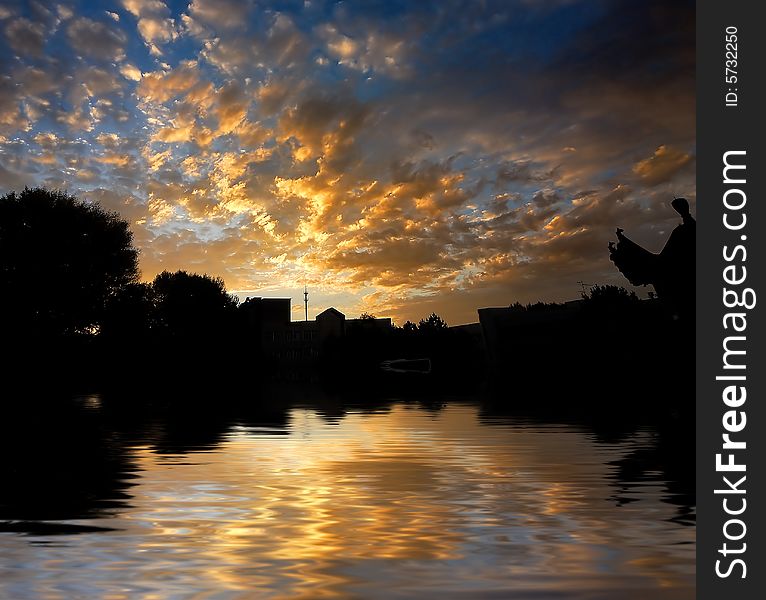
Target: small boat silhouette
<point x="407" y="365"/>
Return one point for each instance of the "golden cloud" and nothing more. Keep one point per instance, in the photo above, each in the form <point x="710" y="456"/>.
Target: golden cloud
<point x="662" y="165"/>
<point x="161" y="86"/>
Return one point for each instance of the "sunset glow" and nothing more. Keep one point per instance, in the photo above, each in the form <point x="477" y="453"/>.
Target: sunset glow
<point x="396" y="158"/>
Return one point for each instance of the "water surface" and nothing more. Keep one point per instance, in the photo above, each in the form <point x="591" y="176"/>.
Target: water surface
<point x="405" y="500"/>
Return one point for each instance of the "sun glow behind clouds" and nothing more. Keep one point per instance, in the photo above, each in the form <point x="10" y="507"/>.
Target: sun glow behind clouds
<point x="425" y="157"/>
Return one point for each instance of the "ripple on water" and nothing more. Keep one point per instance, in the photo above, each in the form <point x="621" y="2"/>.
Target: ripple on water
<point x="398" y="503"/>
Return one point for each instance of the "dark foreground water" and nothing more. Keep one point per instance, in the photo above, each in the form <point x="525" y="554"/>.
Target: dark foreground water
<point x="405" y="500"/>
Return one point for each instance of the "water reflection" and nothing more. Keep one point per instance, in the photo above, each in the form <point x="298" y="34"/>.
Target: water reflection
<point x="395" y="500"/>
<point x="58" y="465"/>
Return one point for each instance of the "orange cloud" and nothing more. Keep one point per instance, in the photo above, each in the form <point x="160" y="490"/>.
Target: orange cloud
<point x="662" y="165"/>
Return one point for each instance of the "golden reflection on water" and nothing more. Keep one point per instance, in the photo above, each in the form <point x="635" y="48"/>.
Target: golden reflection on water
<point x="406" y="503"/>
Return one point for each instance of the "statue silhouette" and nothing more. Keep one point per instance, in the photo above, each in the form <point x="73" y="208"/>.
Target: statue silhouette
<point x="671" y="272"/>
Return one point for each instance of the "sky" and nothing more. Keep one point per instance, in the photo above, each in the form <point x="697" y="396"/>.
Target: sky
<point x="396" y="157"/>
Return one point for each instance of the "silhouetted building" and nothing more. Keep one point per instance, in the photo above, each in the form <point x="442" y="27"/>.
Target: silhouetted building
<point x="266" y="311"/>
<point x="331" y="323"/>
<point x="292" y="349"/>
<point x="365" y="325"/>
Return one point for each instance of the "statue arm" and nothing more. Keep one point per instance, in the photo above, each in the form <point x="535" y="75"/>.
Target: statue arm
<point x="637" y="264"/>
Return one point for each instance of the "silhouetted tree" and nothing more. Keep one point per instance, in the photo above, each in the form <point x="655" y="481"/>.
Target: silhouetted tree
<point x="610" y="295"/>
<point x="365" y="316"/>
<point x="131" y="314"/>
<point x="189" y="304"/>
<point x="614" y="309"/>
<point x="537" y="306"/>
<point x="61" y="260"/>
<point x="432" y="323"/>
<point x="409" y="327"/>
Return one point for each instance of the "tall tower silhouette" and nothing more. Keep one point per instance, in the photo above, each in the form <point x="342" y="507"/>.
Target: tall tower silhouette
<point x="306" y="300"/>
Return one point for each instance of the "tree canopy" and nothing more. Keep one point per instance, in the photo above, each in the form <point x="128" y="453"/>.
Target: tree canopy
<point x="61" y="260"/>
<point x="192" y="304"/>
<point x="610" y="295"/>
<point x="432" y="323"/>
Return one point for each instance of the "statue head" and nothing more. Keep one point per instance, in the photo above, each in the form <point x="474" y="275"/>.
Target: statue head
<point x="681" y="206"/>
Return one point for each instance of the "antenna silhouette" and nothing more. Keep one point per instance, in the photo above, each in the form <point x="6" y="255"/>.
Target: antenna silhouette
<point x="306" y="301"/>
